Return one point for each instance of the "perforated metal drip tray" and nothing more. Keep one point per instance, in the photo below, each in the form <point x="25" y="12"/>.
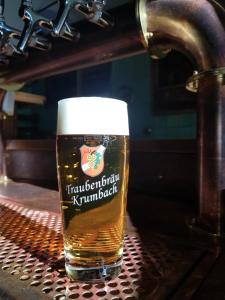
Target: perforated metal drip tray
<point x="32" y="262"/>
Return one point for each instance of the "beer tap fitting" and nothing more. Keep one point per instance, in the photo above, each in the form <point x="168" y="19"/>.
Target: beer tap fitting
<point x="7" y="33"/>
<point x="94" y="12"/>
<point x="32" y="22"/>
<point x="39" y="42"/>
<point x="8" y="47"/>
<point x="69" y="33"/>
<point x="62" y="28"/>
<point x="97" y="8"/>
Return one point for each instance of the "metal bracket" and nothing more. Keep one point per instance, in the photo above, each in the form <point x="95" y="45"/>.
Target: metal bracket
<point x="61" y="28"/>
<point x="192" y="84"/>
<point x="94" y="12"/>
<point x="32" y="21"/>
<point x="7" y="33"/>
<point x="69" y="33"/>
<point x="39" y="42"/>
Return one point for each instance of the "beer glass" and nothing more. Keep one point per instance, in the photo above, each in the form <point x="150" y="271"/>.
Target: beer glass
<point x="92" y="161"/>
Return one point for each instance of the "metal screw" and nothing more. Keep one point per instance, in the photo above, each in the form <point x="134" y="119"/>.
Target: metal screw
<point x="149" y="35"/>
<point x="195" y="73"/>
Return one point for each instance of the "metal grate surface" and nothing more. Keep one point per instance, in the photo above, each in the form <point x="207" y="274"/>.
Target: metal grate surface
<point x="31" y="251"/>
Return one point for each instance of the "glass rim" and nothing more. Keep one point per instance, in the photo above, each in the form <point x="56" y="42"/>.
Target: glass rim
<point x="85" y="98"/>
<point x="92" y="115"/>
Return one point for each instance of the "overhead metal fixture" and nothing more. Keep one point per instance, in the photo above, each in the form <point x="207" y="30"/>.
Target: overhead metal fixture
<point x="7" y="34"/>
<point x="36" y="24"/>
<point x="94" y="12"/>
<point x="32" y="23"/>
<point x="61" y="27"/>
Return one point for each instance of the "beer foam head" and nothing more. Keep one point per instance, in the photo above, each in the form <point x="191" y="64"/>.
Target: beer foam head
<point x="92" y="115"/>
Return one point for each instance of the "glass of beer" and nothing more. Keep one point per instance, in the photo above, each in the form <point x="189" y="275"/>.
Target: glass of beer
<point x="92" y="161"/>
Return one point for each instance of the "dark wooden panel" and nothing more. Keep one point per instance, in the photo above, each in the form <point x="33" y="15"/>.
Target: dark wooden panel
<point x="164" y="146"/>
<point x="32" y="162"/>
<point x="167" y="168"/>
<point x="43" y="145"/>
<point x="158" y="167"/>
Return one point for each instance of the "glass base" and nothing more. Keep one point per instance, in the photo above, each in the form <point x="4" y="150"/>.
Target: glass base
<point x="98" y="274"/>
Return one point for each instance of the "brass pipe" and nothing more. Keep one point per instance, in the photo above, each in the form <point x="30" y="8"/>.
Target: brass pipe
<point x="196" y="28"/>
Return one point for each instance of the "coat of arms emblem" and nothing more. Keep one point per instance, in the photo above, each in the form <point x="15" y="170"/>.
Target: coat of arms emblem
<point x="92" y="160"/>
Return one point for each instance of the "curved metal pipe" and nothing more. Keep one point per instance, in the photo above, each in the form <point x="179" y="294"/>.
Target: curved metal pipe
<point x="196" y="28"/>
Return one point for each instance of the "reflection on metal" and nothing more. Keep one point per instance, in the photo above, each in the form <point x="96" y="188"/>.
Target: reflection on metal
<point x="31" y="251"/>
<point x="7" y="34"/>
<point x="141" y="15"/>
<point x="193" y="82"/>
<point x="32" y="23"/>
<point x="146" y="34"/>
<point x="94" y="12"/>
<point x="4" y="179"/>
<point x="59" y="29"/>
<point x="196" y="28"/>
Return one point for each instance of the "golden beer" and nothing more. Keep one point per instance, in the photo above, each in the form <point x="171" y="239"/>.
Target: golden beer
<point x="93" y="176"/>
